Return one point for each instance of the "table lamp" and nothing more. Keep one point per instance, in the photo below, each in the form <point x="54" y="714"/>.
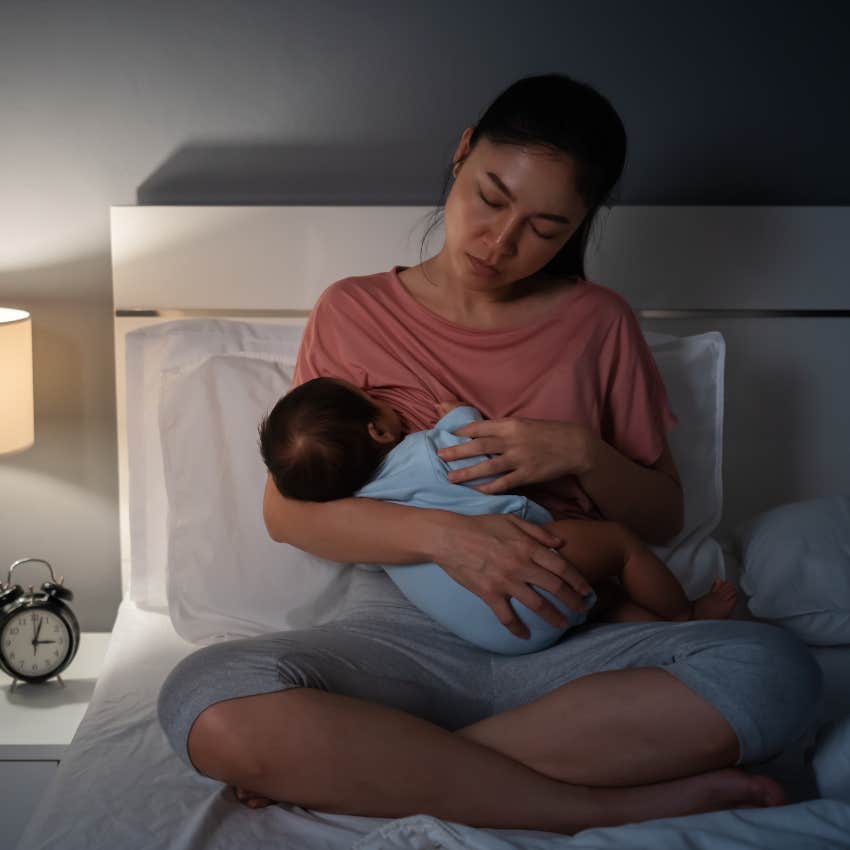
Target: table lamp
<point x="17" y="431"/>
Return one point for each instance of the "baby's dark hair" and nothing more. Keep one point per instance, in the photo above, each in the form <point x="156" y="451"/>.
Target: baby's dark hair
<point x="315" y="442"/>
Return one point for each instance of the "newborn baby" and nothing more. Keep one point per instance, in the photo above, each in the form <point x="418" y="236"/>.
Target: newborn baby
<point x="328" y="439"/>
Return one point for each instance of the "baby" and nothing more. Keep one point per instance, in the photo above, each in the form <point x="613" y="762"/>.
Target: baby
<point x="328" y="439"/>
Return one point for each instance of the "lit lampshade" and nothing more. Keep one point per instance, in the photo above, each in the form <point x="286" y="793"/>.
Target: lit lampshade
<point x="17" y="431"/>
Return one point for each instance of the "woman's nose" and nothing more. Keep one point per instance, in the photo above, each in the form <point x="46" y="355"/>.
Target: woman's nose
<point x="505" y="237"/>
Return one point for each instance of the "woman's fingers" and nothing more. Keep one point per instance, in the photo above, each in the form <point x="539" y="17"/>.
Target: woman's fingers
<point x="507" y="617"/>
<point x="538" y="533"/>
<point x="558" y="565"/>
<point x="478" y="446"/>
<point x="500" y="556"/>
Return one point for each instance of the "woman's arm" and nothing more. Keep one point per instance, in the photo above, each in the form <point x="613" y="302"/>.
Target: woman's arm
<point x="647" y="499"/>
<point x="528" y="451"/>
<point x="345" y="530"/>
<point x="496" y="556"/>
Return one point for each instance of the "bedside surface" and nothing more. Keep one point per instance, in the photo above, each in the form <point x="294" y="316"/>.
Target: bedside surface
<point x="39" y="721"/>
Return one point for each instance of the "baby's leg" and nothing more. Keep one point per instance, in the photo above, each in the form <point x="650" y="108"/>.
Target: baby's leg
<point x="601" y="550"/>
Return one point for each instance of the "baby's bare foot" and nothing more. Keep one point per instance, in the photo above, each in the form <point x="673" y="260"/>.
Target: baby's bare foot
<point x="250" y="798"/>
<point x="718" y="603"/>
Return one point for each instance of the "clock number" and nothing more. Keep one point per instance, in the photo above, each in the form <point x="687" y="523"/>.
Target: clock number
<point x="14" y="630"/>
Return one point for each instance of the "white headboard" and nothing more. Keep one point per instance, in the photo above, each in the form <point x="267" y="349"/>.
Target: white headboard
<point x="773" y="280"/>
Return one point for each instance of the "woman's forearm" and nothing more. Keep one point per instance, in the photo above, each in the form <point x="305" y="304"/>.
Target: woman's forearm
<point x="645" y="499"/>
<point x="355" y="530"/>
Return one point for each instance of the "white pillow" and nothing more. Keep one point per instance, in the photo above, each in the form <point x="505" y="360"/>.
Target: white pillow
<point x="693" y="371"/>
<point x="149" y="351"/>
<point x="796" y="568"/>
<point x="227" y="578"/>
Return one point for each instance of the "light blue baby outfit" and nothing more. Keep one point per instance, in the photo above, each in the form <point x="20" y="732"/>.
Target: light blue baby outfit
<point x="413" y="474"/>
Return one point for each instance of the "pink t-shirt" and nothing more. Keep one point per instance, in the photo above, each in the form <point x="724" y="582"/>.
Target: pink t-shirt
<point x="585" y="362"/>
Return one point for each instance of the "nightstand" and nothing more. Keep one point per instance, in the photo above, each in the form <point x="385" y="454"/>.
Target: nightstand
<point x="37" y="722"/>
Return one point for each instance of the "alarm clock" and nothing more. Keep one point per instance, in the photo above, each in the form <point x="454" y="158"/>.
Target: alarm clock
<point x="39" y="634"/>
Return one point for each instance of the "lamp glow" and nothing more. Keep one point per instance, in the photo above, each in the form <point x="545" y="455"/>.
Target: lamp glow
<point x="17" y="430"/>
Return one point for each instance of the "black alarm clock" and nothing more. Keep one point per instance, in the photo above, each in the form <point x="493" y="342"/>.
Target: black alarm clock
<point x="39" y="634"/>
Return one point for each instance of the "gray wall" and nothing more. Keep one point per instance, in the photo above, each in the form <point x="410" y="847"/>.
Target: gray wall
<point x="332" y="102"/>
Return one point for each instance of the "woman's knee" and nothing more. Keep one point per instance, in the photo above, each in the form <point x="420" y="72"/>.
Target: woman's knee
<point x="767" y="683"/>
<point x="189" y="699"/>
<point x="205" y="703"/>
<point x="237" y="739"/>
<point x="798" y="675"/>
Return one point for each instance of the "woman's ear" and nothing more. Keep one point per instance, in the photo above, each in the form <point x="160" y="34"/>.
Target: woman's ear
<point x="462" y="151"/>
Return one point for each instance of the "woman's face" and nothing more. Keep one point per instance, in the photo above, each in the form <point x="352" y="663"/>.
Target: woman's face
<point x="512" y="208"/>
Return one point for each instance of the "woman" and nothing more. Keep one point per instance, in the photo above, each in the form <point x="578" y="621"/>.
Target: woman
<point x="383" y="713"/>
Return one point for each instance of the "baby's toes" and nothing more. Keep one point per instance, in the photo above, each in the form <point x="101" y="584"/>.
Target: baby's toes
<point x="251" y="798"/>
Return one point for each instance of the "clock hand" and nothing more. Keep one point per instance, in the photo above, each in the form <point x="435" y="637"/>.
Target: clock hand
<point x="38" y="629"/>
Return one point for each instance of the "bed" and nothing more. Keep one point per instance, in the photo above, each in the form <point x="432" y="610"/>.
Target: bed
<point x="209" y="303"/>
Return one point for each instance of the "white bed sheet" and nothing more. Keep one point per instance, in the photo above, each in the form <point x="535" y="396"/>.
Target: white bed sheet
<point x="120" y="786"/>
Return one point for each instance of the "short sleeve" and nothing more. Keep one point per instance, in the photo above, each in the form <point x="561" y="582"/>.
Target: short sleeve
<point x="636" y="415"/>
<point x="324" y="343"/>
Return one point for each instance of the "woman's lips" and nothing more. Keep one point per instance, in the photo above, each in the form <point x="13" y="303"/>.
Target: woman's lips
<point x="480" y="268"/>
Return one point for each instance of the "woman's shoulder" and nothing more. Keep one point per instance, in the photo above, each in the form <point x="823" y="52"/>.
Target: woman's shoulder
<point x="356" y="287"/>
<point x="602" y="297"/>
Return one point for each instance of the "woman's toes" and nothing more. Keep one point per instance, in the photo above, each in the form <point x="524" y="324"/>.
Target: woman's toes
<point x="768" y="792"/>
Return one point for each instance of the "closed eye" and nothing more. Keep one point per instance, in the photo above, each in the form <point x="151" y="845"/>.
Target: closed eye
<point x="497" y="206"/>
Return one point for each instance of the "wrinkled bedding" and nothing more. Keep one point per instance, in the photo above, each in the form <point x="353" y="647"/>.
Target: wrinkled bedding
<point x="120" y="785"/>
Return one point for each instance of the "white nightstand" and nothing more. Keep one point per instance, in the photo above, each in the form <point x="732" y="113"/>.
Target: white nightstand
<point x="37" y="722"/>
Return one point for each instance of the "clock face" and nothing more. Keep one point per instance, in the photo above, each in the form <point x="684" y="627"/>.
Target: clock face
<point x="34" y="642"/>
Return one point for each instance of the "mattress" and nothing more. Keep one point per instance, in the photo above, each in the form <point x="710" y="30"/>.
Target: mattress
<point x="120" y="785"/>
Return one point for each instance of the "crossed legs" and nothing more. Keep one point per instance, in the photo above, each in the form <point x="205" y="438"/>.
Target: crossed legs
<point x="570" y="740"/>
<point x="568" y="761"/>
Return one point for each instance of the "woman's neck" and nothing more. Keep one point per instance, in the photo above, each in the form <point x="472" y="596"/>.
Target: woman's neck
<point x="459" y="300"/>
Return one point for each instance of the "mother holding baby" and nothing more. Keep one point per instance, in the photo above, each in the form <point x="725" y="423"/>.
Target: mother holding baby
<point x="385" y="713"/>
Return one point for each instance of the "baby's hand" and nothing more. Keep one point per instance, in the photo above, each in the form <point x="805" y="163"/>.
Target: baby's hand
<point x="444" y="407"/>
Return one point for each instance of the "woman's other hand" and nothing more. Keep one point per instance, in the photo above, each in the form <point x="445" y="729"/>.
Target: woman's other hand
<point x="525" y="451"/>
<point x="499" y="556"/>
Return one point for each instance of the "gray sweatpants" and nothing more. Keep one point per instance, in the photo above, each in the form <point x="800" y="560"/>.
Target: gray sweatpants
<point x="761" y="678"/>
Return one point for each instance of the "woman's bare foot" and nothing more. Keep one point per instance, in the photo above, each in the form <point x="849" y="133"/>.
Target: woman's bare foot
<point x="727" y="788"/>
<point x="251" y="799"/>
<point x="718" y="603"/>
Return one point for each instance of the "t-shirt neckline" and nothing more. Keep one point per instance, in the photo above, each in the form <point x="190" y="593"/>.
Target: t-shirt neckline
<point x="420" y="308"/>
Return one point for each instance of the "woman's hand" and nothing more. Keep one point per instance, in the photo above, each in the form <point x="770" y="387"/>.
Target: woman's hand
<point x="526" y="451"/>
<point x="498" y="556"/>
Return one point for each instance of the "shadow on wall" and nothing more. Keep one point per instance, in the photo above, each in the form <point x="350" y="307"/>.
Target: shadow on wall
<point x="339" y="175"/>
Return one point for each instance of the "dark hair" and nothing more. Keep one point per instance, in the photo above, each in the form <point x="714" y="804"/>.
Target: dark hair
<point x="315" y="442"/>
<point x="557" y="112"/>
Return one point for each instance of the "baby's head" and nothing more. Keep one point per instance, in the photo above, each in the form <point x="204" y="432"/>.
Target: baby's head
<point x="326" y="438"/>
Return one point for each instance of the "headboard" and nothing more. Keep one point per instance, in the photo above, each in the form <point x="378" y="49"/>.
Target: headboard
<point x="772" y="280"/>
